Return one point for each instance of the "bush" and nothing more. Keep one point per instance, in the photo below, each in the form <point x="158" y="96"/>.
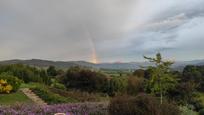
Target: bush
<point x="26" y="73"/>
<point x="139" y="73"/>
<point x="11" y="80"/>
<point x="5" y="87"/>
<point x="84" y="79"/>
<point x="141" y="105"/>
<point x="197" y="104"/>
<point x="201" y="112"/>
<point x="117" y="85"/>
<point x="59" y="86"/>
<point x="69" y="109"/>
<point x="186" y="111"/>
<point x="81" y="96"/>
<point x="135" y="85"/>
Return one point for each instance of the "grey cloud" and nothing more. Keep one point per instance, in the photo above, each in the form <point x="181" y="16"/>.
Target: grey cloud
<point x="121" y="30"/>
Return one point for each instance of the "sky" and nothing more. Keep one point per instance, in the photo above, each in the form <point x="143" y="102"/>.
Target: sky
<point x="101" y="30"/>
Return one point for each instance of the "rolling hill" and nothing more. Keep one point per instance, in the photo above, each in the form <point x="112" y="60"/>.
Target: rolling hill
<point x="66" y="64"/>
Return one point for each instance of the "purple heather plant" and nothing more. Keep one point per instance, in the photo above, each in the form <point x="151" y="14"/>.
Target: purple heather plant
<point x="68" y="109"/>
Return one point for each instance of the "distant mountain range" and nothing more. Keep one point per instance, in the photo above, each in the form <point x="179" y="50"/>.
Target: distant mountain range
<point x="66" y="64"/>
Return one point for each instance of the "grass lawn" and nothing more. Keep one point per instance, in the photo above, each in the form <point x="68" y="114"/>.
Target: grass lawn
<point x="13" y="98"/>
<point x="31" y="85"/>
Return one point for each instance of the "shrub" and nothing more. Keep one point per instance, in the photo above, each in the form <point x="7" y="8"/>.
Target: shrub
<point x="197" y="104"/>
<point x="186" y="111"/>
<point x="12" y="80"/>
<point x="139" y="73"/>
<point x="141" y="105"/>
<point x="81" y="96"/>
<point x="26" y="73"/>
<point x="51" y="71"/>
<point x="59" y="86"/>
<point x="201" y="112"/>
<point x="5" y="87"/>
<point x="116" y="85"/>
<point x="135" y="85"/>
<point x="84" y="79"/>
<point x="68" y="109"/>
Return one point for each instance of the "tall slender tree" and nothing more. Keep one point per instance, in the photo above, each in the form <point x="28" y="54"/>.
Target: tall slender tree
<point x="161" y="78"/>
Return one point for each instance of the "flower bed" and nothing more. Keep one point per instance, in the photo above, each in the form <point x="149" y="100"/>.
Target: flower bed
<point x="69" y="109"/>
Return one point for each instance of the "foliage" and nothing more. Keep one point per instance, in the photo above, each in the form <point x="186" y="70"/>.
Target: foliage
<point x="81" y="96"/>
<point x="141" y="105"/>
<point x="161" y="78"/>
<point x="201" y="112"/>
<point x="26" y="73"/>
<point x="49" y="97"/>
<point x="59" y="86"/>
<point x="56" y="84"/>
<point x="51" y="71"/>
<point x="13" y="83"/>
<point x="68" y="109"/>
<point x="139" y="73"/>
<point x="5" y="87"/>
<point x="84" y="79"/>
<point x="195" y="74"/>
<point x="116" y="85"/>
<point x="135" y="85"/>
<point x="186" y="111"/>
<point x="183" y="93"/>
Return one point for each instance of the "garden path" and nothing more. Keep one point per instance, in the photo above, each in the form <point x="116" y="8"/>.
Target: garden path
<point x="33" y="96"/>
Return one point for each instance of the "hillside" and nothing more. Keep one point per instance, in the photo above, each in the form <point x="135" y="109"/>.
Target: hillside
<point x="66" y="64"/>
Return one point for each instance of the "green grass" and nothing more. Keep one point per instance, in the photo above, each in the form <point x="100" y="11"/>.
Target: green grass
<point x="13" y="98"/>
<point x="31" y="85"/>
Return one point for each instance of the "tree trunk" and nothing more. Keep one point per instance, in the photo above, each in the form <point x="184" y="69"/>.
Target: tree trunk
<point x="161" y="97"/>
<point x="161" y="93"/>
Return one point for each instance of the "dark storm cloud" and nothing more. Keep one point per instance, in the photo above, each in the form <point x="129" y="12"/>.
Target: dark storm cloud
<point x="121" y="30"/>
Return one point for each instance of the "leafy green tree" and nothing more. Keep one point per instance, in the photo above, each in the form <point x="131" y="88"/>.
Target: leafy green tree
<point x="25" y="73"/>
<point x="194" y="74"/>
<point x="51" y="71"/>
<point x="84" y="79"/>
<point x="161" y="78"/>
<point x="116" y="85"/>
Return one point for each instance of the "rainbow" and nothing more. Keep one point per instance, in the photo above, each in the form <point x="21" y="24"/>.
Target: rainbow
<point x="94" y="58"/>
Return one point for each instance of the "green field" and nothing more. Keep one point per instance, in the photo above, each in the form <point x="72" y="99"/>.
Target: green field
<point x="116" y="73"/>
<point x="13" y="98"/>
